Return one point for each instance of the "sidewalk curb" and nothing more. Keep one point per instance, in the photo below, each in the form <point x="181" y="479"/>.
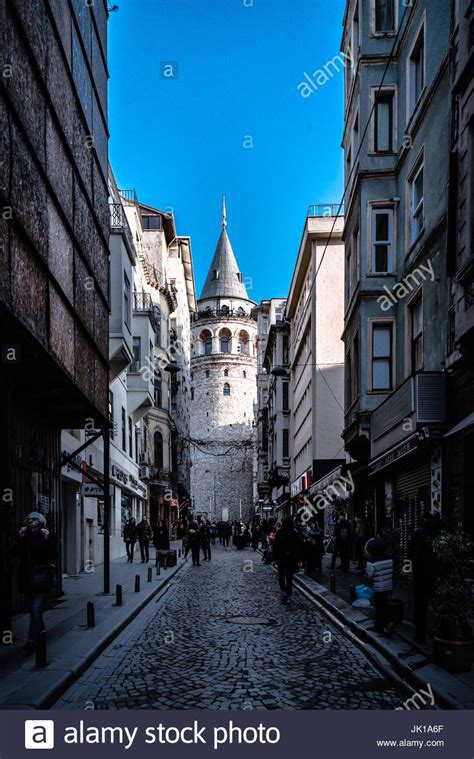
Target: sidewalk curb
<point x="55" y="691"/>
<point x="323" y="598"/>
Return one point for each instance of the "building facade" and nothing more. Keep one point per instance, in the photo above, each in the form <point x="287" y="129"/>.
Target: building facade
<point x="396" y="250"/>
<point x="223" y="392"/>
<point x="316" y="353"/>
<point x="459" y="440"/>
<point x="273" y="408"/>
<point x="54" y="250"/>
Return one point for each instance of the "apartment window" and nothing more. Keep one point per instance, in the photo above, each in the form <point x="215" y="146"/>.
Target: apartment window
<point x="416" y="70"/>
<point x="158" y="383"/>
<point x="137" y="444"/>
<point x="124" y="430"/>
<point x="226" y="389"/>
<point x="348" y="378"/>
<point x="384" y="121"/>
<point x="111" y="415"/>
<point x="130" y="437"/>
<point x="286" y="396"/>
<point x="416" y="193"/>
<point x="285" y="349"/>
<point x="136" y="350"/>
<point x="158" y="449"/>
<point x="382" y="240"/>
<point x="416" y="336"/>
<point x="126" y="300"/>
<point x="384" y="16"/>
<point x="208" y="346"/>
<point x="382" y="357"/>
<point x="355" y="368"/>
<point x="151" y="222"/>
<point x="286" y="443"/>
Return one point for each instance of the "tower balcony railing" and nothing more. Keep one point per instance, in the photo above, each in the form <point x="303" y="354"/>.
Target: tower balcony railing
<point x="222" y="313"/>
<point x="119" y="222"/>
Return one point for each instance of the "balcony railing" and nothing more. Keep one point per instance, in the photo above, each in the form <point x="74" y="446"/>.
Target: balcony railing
<point x="142" y="302"/>
<point x="119" y="222"/>
<point x="325" y="209"/>
<point x="421" y="394"/>
<point x="219" y="313"/>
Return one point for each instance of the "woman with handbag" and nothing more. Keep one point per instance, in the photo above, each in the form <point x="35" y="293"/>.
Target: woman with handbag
<point x="37" y="551"/>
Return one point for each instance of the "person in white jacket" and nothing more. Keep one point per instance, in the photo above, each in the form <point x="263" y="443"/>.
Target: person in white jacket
<point x="379" y="570"/>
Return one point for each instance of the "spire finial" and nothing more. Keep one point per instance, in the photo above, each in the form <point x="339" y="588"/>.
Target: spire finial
<point x="224" y="218"/>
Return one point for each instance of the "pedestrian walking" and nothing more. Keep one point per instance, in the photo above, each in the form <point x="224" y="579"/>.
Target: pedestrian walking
<point x="130" y="537"/>
<point x="193" y="543"/>
<point x="226" y="531"/>
<point x="205" y="538"/>
<point x="425" y="570"/>
<point x="37" y="551"/>
<point x="161" y="537"/>
<point x="315" y="551"/>
<point x="361" y="533"/>
<point x="379" y="570"/>
<point x="342" y="544"/>
<point x="286" y="553"/>
<point x="144" y="534"/>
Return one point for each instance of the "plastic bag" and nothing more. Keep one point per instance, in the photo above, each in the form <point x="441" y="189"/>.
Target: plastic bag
<point x="363" y="591"/>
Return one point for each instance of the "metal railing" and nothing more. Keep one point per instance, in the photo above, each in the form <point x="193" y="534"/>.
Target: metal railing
<point x="219" y="313"/>
<point x="119" y="222"/>
<point x="142" y="302"/>
<point x="129" y="195"/>
<point x="325" y="209"/>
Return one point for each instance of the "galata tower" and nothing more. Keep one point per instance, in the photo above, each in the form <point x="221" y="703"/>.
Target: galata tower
<point x="223" y="394"/>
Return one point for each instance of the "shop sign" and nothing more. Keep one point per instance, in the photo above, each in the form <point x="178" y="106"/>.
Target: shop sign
<point x="392" y="456"/>
<point x="128" y="479"/>
<point x="91" y="490"/>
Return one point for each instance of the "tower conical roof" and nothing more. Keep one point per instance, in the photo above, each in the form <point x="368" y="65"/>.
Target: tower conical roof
<point x="224" y="278"/>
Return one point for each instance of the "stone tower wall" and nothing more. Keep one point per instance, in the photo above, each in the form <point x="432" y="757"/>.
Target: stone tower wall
<point x="222" y="426"/>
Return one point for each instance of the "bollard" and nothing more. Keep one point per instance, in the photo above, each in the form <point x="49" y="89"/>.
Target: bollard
<point x="150" y="574"/>
<point x="137" y="583"/>
<point x="118" y="595"/>
<point x="179" y="553"/>
<point x="165" y="562"/>
<point x="353" y="593"/>
<point x="157" y="568"/>
<point x="41" y="649"/>
<point x="332" y="581"/>
<point x="90" y="614"/>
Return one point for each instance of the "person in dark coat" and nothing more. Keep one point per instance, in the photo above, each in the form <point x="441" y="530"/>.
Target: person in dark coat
<point x="161" y="536"/>
<point x="144" y="534"/>
<point x="315" y="549"/>
<point x="226" y="530"/>
<point x="425" y="570"/>
<point x="130" y="537"/>
<point x="205" y="538"/>
<point x="286" y="553"/>
<point x="342" y="544"/>
<point x="37" y="551"/>
<point x="193" y="543"/>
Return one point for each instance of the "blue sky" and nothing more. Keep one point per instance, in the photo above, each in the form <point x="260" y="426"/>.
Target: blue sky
<point x="182" y="142"/>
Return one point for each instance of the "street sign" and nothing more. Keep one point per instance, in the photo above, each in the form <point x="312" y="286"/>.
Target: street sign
<point x="94" y="491"/>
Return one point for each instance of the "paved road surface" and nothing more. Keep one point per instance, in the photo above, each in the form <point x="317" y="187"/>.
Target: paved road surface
<point x="220" y="638"/>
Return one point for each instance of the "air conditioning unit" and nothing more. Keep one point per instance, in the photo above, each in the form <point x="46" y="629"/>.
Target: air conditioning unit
<point x="144" y="472"/>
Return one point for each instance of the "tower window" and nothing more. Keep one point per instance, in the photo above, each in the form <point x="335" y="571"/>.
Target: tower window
<point x="226" y="372"/>
<point x="226" y="389"/>
<point x="239" y="276"/>
<point x="244" y="374"/>
<point x="224" y="344"/>
<point x="215" y="274"/>
<point x="208" y="373"/>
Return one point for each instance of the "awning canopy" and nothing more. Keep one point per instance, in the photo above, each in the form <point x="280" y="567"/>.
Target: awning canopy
<point x="468" y="421"/>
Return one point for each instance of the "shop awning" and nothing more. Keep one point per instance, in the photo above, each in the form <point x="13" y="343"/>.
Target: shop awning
<point x="468" y="421"/>
<point x="328" y="479"/>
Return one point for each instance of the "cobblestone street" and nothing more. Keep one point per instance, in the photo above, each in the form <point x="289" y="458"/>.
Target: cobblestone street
<point x="220" y="638"/>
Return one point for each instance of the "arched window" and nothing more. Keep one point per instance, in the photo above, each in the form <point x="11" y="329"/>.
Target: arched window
<point x="158" y="449"/>
<point x="224" y="336"/>
<point x="243" y="343"/>
<point x="224" y="310"/>
<point x="206" y="338"/>
<point x="226" y="372"/>
<point x="226" y="389"/>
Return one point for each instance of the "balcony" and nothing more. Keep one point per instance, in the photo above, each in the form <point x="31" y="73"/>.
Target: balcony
<point x="419" y="401"/>
<point x="325" y="209"/>
<point x="119" y="223"/>
<point x="222" y="313"/>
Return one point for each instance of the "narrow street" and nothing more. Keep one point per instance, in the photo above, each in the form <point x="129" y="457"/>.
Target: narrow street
<point x="220" y="638"/>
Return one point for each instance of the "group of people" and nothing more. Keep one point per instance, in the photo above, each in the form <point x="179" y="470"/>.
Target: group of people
<point x="144" y="534"/>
